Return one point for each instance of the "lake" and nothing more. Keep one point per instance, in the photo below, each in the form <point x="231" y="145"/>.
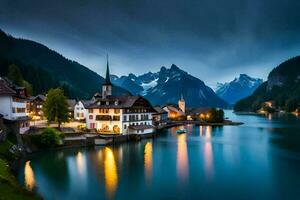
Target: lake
<point x="257" y="160"/>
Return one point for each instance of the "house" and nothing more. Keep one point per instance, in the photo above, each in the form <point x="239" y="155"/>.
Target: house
<point x="80" y="109"/>
<point x="174" y="112"/>
<point x="110" y="114"/>
<point x="35" y="106"/>
<point x="197" y="113"/>
<point x="13" y="106"/>
<point x="71" y="107"/>
<point x="160" y="117"/>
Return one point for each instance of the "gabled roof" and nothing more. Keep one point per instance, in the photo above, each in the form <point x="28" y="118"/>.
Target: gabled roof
<point x="119" y="102"/>
<point x="173" y="109"/>
<point x="5" y="88"/>
<point x="159" y="110"/>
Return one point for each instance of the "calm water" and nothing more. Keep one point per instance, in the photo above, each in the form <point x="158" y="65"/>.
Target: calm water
<point x="258" y="160"/>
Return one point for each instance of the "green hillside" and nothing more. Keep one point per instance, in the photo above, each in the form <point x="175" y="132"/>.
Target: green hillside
<point x="282" y="87"/>
<point x="44" y="68"/>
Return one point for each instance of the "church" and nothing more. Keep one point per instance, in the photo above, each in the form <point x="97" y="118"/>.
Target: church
<point x="109" y="114"/>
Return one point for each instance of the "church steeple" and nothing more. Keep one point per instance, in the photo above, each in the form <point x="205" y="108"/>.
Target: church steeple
<point x="107" y="77"/>
<point x="107" y="86"/>
<point x="181" y="103"/>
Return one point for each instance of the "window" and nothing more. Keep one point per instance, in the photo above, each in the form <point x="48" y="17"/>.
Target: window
<point x="124" y="118"/>
<point x="125" y="126"/>
<point x="91" y="110"/>
<point x="92" y="126"/>
<point x="103" y="118"/>
<point x="117" y="111"/>
<point x="116" y="118"/>
<point x="91" y="117"/>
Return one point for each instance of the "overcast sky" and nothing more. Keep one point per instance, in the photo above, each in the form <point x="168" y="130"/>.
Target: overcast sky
<point x="214" y="40"/>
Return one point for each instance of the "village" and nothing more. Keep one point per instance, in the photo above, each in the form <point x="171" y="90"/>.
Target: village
<point x="104" y="118"/>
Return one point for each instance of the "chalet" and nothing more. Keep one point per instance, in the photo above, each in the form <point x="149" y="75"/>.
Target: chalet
<point x="35" y="106"/>
<point x="160" y="117"/>
<point x="80" y="109"/>
<point x="176" y="111"/>
<point x="110" y="114"/>
<point x="13" y="105"/>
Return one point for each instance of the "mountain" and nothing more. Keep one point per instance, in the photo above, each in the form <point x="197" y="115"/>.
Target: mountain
<point x="167" y="85"/>
<point x="45" y="68"/>
<point x="237" y="89"/>
<point x="282" y="87"/>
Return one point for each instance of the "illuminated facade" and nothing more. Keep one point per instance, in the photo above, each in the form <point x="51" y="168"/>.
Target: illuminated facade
<point x="110" y="114"/>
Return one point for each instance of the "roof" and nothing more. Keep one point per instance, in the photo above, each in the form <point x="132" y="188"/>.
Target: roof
<point x="86" y="103"/>
<point x="159" y="110"/>
<point x="39" y="96"/>
<point x="71" y="102"/>
<point x="117" y="102"/>
<point x="114" y="102"/>
<point x="140" y="127"/>
<point x="173" y="109"/>
<point x="5" y="88"/>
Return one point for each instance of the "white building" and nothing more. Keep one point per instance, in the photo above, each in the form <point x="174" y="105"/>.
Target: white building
<point x="110" y="114"/>
<point x="80" y="109"/>
<point x="13" y="105"/>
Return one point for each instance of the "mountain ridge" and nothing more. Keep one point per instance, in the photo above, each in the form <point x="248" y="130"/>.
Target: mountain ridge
<point x="166" y="86"/>
<point x="238" y="88"/>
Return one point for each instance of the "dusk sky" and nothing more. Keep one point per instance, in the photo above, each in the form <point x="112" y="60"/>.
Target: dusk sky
<point x="213" y="40"/>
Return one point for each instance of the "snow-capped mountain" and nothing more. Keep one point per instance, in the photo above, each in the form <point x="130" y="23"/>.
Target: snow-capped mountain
<point x="167" y="85"/>
<point x="237" y="89"/>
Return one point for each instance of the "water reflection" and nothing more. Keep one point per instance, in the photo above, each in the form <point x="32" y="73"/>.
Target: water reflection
<point x="208" y="159"/>
<point x="80" y="163"/>
<point x="29" y="176"/>
<point x="148" y="162"/>
<point x="182" y="157"/>
<point x="110" y="173"/>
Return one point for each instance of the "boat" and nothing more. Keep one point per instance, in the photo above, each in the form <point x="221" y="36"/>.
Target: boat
<point x="180" y="131"/>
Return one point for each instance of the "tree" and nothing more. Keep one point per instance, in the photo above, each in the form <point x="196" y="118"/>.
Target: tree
<point x="50" y="137"/>
<point x="55" y="107"/>
<point x="14" y="74"/>
<point x="291" y="105"/>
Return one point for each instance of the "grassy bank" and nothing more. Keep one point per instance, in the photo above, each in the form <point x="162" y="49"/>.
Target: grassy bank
<point x="9" y="187"/>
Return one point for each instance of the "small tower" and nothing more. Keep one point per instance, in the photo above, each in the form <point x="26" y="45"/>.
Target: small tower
<point x="181" y="104"/>
<point x="107" y="86"/>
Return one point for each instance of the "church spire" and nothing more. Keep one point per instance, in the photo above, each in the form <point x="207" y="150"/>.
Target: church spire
<point x="107" y="77"/>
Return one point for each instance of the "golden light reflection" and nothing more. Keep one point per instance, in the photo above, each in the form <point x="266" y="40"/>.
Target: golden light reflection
<point x="29" y="176"/>
<point x="208" y="159"/>
<point x="79" y="162"/>
<point x="208" y="131"/>
<point x="201" y="130"/>
<point x="182" y="157"/>
<point x="110" y="173"/>
<point x="148" y="162"/>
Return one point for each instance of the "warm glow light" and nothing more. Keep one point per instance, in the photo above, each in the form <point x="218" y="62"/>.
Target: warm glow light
<point x="110" y="173"/>
<point x="80" y="163"/>
<point x="207" y="116"/>
<point x="182" y="157"/>
<point x="208" y="130"/>
<point x="208" y="159"/>
<point x="148" y="162"/>
<point x="29" y="176"/>
<point x="201" y="130"/>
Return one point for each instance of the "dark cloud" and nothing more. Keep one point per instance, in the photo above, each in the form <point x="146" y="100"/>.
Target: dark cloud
<point x="214" y="40"/>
